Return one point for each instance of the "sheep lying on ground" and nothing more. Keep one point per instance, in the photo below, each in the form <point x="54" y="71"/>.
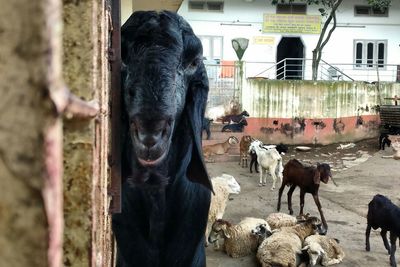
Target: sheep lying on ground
<point x="238" y="239"/>
<point x="323" y="250"/>
<point x="223" y="186"/>
<point x="277" y="220"/>
<point x="382" y="213"/>
<point x="283" y="247"/>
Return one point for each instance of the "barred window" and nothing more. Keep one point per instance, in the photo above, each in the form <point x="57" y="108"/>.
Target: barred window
<point x="368" y="53"/>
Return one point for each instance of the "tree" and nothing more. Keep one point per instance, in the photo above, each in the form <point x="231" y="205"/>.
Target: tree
<point x="328" y="10"/>
<point x="381" y="4"/>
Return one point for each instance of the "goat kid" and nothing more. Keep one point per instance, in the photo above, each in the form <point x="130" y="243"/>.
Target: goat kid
<point x="244" y="150"/>
<point x="308" y="179"/>
<point x="206" y="127"/>
<point x="165" y="189"/>
<point x="382" y="213"/>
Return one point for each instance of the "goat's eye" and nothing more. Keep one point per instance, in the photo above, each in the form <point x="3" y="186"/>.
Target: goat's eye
<point x="193" y="65"/>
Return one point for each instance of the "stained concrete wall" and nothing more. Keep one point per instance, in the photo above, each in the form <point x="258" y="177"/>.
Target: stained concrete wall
<point x="313" y="112"/>
<point x="87" y="237"/>
<point x="30" y="226"/>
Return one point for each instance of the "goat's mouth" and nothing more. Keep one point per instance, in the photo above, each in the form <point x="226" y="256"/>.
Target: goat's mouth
<point x="152" y="162"/>
<point x="151" y="144"/>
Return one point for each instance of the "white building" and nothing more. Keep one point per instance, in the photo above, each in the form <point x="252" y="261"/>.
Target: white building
<point x="364" y="38"/>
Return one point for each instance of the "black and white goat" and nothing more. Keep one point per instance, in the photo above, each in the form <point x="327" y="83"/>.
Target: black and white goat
<point x="384" y="140"/>
<point x="382" y="213"/>
<point x="165" y="190"/>
<point x="281" y="148"/>
<point x="235" y="127"/>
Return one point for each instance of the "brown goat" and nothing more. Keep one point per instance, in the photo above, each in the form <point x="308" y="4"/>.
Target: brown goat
<point x="308" y="179"/>
<point x="244" y="150"/>
<point x="219" y="148"/>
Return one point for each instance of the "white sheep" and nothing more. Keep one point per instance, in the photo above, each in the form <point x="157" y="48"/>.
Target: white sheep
<point x="283" y="247"/>
<point x="238" y="239"/>
<point x="324" y="250"/>
<point x="223" y="186"/>
<point x="277" y="220"/>
<point x="267" y="159"/>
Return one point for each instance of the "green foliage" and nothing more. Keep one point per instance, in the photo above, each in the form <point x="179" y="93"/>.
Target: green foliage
<point x="381" y="4"/>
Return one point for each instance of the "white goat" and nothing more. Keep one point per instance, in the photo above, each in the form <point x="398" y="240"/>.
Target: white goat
<point x="223" y="186"/>
<point x="267" y="159"/>
<point x="324" y="250"/>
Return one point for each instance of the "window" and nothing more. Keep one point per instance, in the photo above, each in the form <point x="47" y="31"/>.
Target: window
<point x="368" y="53"/>
<point x="212" y="47"/>
<point x="291" y="9"/>
<point x="217" y="6"/>
<point x="370" y="11"/>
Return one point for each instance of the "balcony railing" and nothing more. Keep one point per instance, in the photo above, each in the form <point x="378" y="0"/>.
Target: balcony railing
<point x="301" y="69"/>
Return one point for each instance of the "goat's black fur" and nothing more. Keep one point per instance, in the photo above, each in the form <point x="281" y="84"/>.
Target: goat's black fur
<point x="253" y="156"/>
<point x="235" y="127"/>
<point x="235" y="118"/>
<point x="206" y="127"/>
<point x="165" y="189"/>
<point x="382" y="213"/>
<point x="384" y="140"/>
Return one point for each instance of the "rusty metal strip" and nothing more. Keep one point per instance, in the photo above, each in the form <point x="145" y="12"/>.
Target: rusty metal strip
<point x="115" y="61"/>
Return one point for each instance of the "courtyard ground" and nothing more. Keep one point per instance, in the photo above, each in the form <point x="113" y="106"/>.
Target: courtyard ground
<point x="361" y="172"/>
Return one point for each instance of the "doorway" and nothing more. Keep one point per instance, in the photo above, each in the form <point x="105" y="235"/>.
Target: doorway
<point x="290" y="48"/>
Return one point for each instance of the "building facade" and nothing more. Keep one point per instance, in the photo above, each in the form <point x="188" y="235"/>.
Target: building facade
<point x="365" y="39"/>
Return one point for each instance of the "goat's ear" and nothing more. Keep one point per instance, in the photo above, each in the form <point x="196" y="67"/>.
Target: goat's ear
<point x="226" y="234"/>
<point x="317" y="177"/>
<point x="305" y="248"/>
<point x="195" y="107"/>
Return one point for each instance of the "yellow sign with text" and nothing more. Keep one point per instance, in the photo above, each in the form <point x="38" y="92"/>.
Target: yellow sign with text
<point x="264" y="40"/>
<point x="288" y="23"/>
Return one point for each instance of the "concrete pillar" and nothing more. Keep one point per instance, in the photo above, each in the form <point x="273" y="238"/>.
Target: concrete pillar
<point x="87" y="238"/>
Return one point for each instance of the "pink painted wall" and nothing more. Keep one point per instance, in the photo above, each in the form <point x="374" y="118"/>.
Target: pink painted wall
<point x="313" y="131"/>
<point x="304" y="112"/>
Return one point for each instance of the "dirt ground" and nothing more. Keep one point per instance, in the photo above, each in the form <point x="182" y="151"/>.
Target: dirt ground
<point x="360" y="172"/>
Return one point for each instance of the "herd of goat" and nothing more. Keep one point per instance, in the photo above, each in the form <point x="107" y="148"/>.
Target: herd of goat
<point x="166" y="200"/>
<point x="301" y="243"/>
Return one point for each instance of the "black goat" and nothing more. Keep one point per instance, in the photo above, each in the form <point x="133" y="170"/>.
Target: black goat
<point x="206" y="127"/>
<point x="235" y="118"/>
<point x="384" y="140"/>
<point x="308" y="179"/>
<point x="235" y="127"/>
<point x="166" y="189"/>
<point x="382" y="213"/>
<point x="281" y="148"/>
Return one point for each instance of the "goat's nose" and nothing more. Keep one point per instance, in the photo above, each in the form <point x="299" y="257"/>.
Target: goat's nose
<point x="150" y="139"/>
<point x="149" y="133"/>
